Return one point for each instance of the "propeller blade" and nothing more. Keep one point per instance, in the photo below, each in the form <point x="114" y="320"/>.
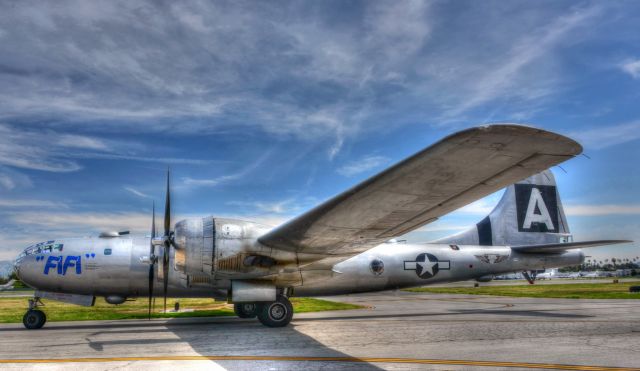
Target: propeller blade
<point x="167" y="242"/>
<point x="165" y="273"/>
<point x="167" y="209"/>
<point x="151" y="267"/>
<point x="152" y="248"/>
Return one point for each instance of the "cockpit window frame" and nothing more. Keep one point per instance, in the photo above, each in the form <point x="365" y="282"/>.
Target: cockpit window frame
<point x="42" y="248"/>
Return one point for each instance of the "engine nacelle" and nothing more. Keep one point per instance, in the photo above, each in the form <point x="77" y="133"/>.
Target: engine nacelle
<point x="485" y="278"/>
<point x="115" y="299"/>
<point x="209" y="247"/>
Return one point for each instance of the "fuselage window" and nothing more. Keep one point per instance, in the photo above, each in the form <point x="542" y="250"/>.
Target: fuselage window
<point x="107" y="251"/>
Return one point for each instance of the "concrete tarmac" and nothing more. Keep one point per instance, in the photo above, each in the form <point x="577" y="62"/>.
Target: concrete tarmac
<point x="398" y="330"/>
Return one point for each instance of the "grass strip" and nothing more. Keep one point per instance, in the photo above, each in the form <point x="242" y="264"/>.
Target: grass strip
<point x="12" y="309"/>
<point x="563" y="291"/>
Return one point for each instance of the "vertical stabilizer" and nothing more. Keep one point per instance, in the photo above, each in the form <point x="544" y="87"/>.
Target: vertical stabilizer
<point x="529" y="212"/>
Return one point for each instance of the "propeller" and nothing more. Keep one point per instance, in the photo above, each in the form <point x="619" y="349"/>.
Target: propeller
<point x="168" y="240"/>
<point x="152" y="256"/>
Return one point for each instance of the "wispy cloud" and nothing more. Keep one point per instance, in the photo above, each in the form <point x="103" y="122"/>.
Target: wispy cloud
<point x="52" y="151"/>
<point x="288" y="206"/>
<point x="362" y="165"/>
<point x="443" y="227"/>
<point x="79" y="141"/>
<point x="315" y="77"/>
<point x="83" y="223"/>
<point x="506" y="79"/>
<point x="50" y="224"/>
<point x="136" y="192"/>
<point x="22" y="203"/>
<point x="608" y="135"/>
<point x="163" y="160"/>
<point x="601" y="210"/>
<point x="304" y="77"/>
<point x="11" y="179"/>
<point x="34" y="150"/>
<point x="481" y="207"/>
<point x="192" y="182"/>
<point x="632" y="67"/>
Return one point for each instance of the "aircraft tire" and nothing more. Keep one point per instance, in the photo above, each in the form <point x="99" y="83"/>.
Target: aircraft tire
<point x="246" y="310"/>
<point x="276" y="313"/>
<point x="34" y="319"/>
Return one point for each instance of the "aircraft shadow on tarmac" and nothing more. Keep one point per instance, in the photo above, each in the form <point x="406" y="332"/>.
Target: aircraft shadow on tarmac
<point x="239" y="337"/>
<point x="529" y="313"/>
<point x="208" y="336"/>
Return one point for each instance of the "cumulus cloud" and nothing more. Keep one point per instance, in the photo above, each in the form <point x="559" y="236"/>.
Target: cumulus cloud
<point x="632" y="67"/>
<point x="362" y="165"/>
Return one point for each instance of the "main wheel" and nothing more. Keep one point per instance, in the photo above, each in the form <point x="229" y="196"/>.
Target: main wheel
<point x="34" y="319"/>
<point x="246" y="310"/>
<point x="276" y="313"/>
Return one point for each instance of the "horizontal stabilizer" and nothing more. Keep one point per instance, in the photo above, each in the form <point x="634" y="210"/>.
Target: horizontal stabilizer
<point x="560" y="247"/>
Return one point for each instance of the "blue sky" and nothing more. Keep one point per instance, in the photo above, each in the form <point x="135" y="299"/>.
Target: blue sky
<point x="263" y="110"/>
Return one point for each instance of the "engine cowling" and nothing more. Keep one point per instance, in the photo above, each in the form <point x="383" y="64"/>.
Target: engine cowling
<point x="209" y="247"/>
<point x="485" y="278"/>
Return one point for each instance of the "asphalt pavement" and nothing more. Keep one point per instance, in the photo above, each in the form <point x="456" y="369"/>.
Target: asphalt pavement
<point x="397" y="330"/>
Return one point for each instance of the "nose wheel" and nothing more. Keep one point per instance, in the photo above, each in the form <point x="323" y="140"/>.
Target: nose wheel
<point x="34" y="318"/>
<point x="276" y="313"/>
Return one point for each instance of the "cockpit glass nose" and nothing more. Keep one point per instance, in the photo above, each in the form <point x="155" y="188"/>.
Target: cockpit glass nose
<point x="42" y="248"/>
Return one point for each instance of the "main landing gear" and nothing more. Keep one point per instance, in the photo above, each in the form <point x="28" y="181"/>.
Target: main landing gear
<point x="34" y="318"/>
<point x="246" y="310"/>
<point x="531" y="278"/>
<point x="271" y="314"/>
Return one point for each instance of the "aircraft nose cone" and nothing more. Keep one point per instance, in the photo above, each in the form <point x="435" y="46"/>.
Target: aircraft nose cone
<point x="24" y="267"/>
<point x="16" y="267"/>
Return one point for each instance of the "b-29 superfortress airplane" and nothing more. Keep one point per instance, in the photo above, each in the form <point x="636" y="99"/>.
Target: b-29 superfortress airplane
<point x="343" y="245"/>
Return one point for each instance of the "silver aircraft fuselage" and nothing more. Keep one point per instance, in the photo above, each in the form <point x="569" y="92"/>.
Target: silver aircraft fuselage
<point x="119" y="267"/>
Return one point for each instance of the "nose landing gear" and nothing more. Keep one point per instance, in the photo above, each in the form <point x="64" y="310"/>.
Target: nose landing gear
<point x="34" y="318"/>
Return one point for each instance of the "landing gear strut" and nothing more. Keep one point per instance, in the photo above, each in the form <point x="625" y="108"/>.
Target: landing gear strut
<point x="34" y="318"/>
<point x="276" y="313"/>
<point x="530" y="278"/>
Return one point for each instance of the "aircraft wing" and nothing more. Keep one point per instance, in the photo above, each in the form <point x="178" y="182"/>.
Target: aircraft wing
<point x="553" y="248"/>
<point x="451" y="173"/>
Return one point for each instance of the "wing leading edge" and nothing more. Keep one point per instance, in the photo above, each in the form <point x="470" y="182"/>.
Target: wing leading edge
<point x="451" y="173"/>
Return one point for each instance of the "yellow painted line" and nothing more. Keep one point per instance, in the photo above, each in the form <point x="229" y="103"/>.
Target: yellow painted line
<point x="548" y="366"/>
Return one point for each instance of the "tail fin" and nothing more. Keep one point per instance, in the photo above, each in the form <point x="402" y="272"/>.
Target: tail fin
<point x="529" y="213"/>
